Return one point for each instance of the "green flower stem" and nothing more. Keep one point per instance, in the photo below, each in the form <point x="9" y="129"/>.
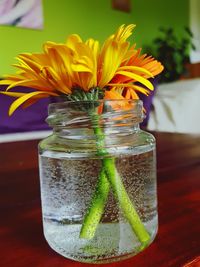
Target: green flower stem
<point x="99" y="198"/>
<point x="96" y="208"/>
<point x="125" y="203"/>
<point x="109" y="176"/>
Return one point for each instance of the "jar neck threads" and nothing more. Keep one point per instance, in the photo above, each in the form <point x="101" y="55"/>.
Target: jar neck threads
<point x="111" y="116"/>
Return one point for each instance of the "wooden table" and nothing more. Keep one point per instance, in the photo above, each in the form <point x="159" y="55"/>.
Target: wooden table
<point x="178" y="242"/>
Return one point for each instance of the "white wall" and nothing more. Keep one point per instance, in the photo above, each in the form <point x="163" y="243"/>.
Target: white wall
<point x="195" y="28"/>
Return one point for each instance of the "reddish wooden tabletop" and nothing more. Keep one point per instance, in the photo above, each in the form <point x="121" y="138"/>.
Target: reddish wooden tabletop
<point x="178" y="242"/>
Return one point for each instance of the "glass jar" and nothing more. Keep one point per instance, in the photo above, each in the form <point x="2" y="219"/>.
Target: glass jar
<point x="98" y="181"/>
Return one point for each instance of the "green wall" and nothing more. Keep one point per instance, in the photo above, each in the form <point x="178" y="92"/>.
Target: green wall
<point x="91" y="18"/>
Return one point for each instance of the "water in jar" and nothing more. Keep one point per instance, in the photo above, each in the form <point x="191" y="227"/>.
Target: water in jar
<point x="67" y="185"/>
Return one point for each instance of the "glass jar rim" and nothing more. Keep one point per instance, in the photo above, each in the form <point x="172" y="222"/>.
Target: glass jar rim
<point x="61" y="105"/>
<point x="65" y="113"/>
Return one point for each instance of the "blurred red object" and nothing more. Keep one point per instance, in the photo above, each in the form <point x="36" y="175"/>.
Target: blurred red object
<point x="123" y="5"/>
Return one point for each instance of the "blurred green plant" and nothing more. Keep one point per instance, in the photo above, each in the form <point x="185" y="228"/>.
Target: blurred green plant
<point x="173" y="52"/>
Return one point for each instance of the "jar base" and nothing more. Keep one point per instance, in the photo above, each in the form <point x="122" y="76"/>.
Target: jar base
<point x="101" y="249"/>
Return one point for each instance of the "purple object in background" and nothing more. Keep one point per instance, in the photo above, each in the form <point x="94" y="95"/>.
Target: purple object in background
<point x="33" y="117"/>
<point x="30" y="119"/>
<point x="147" y="101"/>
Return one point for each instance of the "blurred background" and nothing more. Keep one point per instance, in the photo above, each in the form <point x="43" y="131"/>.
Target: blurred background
<point x="169" y="30"/>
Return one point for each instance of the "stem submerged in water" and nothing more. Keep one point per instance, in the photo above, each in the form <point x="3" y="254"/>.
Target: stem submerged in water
<point x="109" y="177"/>
<point x="124" y="201"/>
<point x="96" y="208"/>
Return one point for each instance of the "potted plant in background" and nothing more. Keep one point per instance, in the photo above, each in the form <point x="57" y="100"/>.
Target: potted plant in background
<point x="173" y="52"/>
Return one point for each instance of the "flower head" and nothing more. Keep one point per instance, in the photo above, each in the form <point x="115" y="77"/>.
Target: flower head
<point x="115" y="66"/>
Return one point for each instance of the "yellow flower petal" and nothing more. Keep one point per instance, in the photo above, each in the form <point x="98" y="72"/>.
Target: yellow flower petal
<point x="6" y="82"/>
<point x="32" y="64"/>
<point x="136" y="77"/>
<point x="137" y="69"/>
<point x="72" y="40"/>
<point x="123" y="33"/>
<point x="14" y="94"/>
<point x="24" y="98"/>
<point x="31" y="84"/>
<point x="80" y="68"/>
<point x="129" y="85"/>
<point x="140" y="89"/>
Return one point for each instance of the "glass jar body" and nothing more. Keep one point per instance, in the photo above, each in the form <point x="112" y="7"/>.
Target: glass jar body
<point x="67" y="184"/>
<point x="70" y="172"/>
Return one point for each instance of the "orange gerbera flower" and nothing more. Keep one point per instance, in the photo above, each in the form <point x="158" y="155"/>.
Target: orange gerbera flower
<point x="63" y="67"/>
